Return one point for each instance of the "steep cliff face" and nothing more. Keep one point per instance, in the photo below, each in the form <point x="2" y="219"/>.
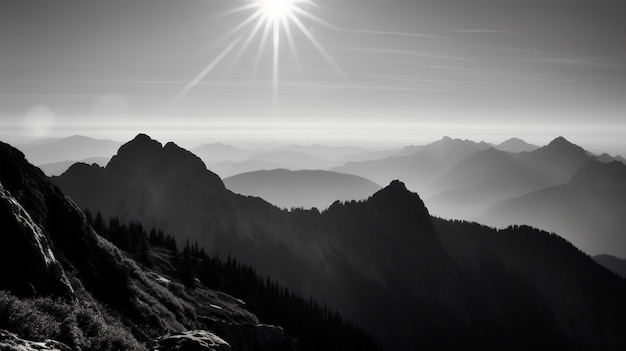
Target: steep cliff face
<point x="27" y="264"/>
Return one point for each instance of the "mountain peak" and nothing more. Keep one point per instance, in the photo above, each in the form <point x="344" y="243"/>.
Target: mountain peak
<point x="397" y="185"/>
<point x="395" y="191"/>
<point x="516" y="145"/>
<point x="145" y="158"/>
<point x="559" y="141"/>
<point x="396" y="195"/>
<point x="141" y="143"/>
<point x="563" y="145"/>
<point x="141" y="150"/>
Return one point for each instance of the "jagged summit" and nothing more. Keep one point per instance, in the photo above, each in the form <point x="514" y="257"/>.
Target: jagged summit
<point x="145" y="155"/>
<point x="396" y="186"/>
<point x="141" y="142"/>
<point x="398" y="198"/>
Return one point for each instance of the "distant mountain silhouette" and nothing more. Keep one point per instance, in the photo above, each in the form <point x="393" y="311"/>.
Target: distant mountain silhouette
<point x="491" y="176"/>
<point x="605" y="158"/>
<point x="287" y="189"/>
<point x="58" y="168"/>
<point x="515" y="145"/>
<point x="296" y="159"/>
<point x="588" y="210"/>
<point x="218" y="152"/>
<point x="268" y="160"/>
<point x="409" y="150"/>
<point x="612" y="263"/>
<point x="411" y="280"/>
<point x="327" y="152"/>
<point x="227" y="160"/>
<point x="418" y="170"/>
<point x="72" y="148"/>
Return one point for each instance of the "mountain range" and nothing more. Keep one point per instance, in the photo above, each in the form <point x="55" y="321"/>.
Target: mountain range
<point x="490" y="176"/>
<point x="457" y="178"/>
<point x="417" y="170"/>
<point x="61" y="280"/>
<point x="407" y="278"/>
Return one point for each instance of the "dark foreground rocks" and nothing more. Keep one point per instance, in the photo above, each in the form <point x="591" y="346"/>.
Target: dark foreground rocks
<point x="11" y="342"/>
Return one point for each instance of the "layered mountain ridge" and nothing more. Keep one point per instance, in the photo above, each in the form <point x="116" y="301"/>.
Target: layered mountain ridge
<point x="383" y="262"/>
<point x="61" y="280"/>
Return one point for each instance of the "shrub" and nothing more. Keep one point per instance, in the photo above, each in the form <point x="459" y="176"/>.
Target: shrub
<point x="80" y="326"/>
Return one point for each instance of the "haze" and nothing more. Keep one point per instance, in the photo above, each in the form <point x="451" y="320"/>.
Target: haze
<point x="410" y="72"/>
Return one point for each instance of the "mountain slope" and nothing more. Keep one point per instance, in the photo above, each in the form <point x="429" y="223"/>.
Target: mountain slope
<point x="410" y="280"/>
<point x="307" y="189"/>
<point x="588" y="210"/>
<point x="108" y="302"/>
<point x="612" y="263"/>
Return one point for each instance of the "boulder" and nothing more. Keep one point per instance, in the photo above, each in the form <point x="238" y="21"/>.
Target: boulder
<point x="194" y="340"/>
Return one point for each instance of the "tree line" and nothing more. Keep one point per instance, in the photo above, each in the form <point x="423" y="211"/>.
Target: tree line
<point x="315" y="326"/>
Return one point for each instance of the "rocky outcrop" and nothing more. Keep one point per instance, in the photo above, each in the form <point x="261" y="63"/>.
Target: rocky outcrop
<point x="194" y="340"/>
<point x="11" y="342"/>
<point x="27" y="264"/>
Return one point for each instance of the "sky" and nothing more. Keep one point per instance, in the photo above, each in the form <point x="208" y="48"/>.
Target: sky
<point x="390" y="72"/>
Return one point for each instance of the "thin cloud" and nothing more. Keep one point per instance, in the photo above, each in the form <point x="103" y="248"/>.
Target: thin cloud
<point x="481" y="31"/>
<point x="397" y="34"/>
<point x="408" y="53"/>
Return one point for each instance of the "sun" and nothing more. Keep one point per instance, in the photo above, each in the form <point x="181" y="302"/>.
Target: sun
<point x="277" y="10"/>
<point x="274" y="22"/>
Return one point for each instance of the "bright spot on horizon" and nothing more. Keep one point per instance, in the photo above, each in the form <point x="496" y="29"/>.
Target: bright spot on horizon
<point x="277" y="17"/>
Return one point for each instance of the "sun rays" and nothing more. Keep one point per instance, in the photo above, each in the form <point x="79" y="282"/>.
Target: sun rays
<point x="271" y="22"/>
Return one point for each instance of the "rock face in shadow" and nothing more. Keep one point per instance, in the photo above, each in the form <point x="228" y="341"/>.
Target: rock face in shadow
<point x="11" y="342"/>
<point x="27" y="265"/>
